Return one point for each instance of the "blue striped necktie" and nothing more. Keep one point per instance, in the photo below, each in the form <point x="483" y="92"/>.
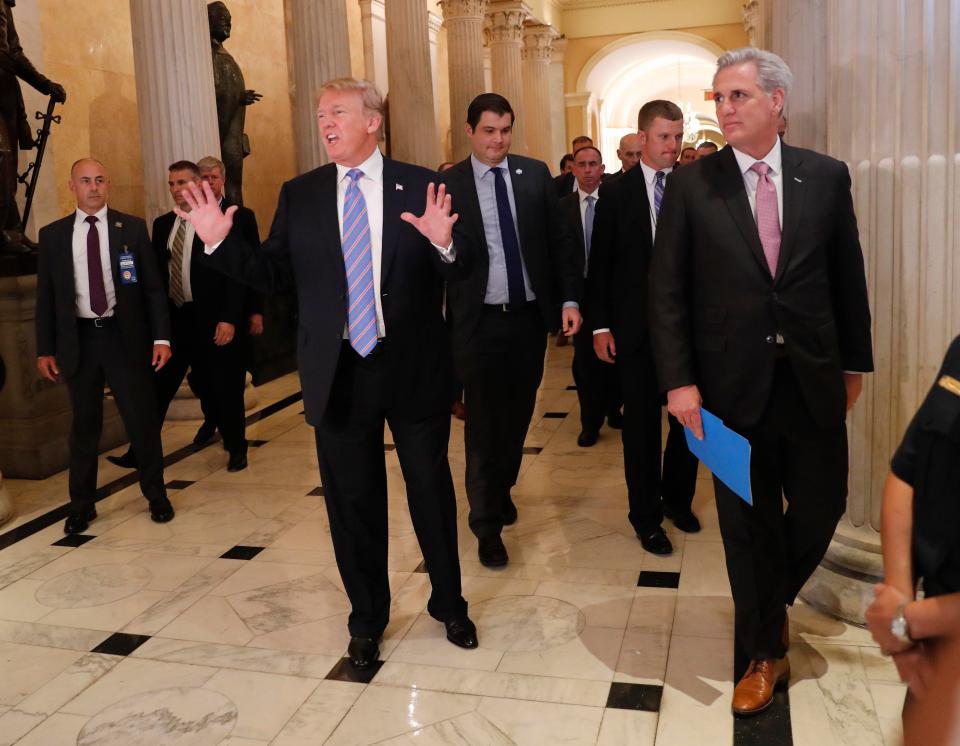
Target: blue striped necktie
<point x="358" y="261"/>
<point x="658" y="192"/>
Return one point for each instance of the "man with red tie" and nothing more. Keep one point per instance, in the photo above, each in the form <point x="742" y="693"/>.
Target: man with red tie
<point x="759" y="314"/>
<point x="102" y="317"/>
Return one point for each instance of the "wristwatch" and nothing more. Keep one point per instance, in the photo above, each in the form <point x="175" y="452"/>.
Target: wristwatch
<point x="899" y="627"/>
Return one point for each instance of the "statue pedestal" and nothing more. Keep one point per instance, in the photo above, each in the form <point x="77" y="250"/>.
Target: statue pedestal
<point x="34" y="413"/>
<point x="186" y="406"/>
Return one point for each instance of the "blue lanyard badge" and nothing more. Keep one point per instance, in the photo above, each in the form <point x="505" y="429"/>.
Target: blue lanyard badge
<point x="128" y="268"/>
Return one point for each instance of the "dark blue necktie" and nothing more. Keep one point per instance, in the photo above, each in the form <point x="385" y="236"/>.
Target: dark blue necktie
<point x="511" y="246"/>
<point x="658" y="192"/>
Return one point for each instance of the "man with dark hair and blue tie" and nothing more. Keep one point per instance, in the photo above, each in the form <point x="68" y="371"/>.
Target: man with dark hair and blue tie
<point x="523" y="280"/>
<point x="372" y="346"/>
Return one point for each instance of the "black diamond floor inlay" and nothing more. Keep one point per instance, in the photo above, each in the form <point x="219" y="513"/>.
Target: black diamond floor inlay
<point x="73" y="540"/>
<point x="389" y="447"/>
<point x="346" y="671"/>
<point x="240" y="552"/>
<point x="770" y="727"/>
<point x="571" y="388"/>
<point x="644" y="697"/>
<point x="555" y="415"/>
<point x="257" y="443"/>
<point x="531" y="450"/>
<point x="652" y="579"/>
<point x="120" y="643"/>
<point x="178" y="484"/>
<point x="315" y="492"/>
<point x="422" y="567"/>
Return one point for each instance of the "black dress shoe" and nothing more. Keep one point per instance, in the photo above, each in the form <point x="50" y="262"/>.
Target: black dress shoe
<point x="363" y="651"/>
<point x="615" y="421"/>
<point x="161" y="511"/>
<point x="685" y="520"/>
<point x="205" y="433"/>
<point x="78" y="523"/>
<point x="238" y="461"/>
<point x="586" y="439"/>
<point x="492" y="552"/>
<point x="462" y="632"/>
<point x="656" y="541"/>
<point x="509" y="515"/>
<point x="124" y="461"/>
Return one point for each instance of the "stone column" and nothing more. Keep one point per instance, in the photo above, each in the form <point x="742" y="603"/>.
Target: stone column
<point x="463" y="20"/>
<point x="319" y="50"/>
<point x="373" y="19"/>
<point x="879" y="93"/>
<point x="558" y="109"/>
<point x="175" y="95"/>
<point x="6" y="503"/>
<point x="503" y="30"/>
<point x="413" y="127"/>
<point x="537" y="50"/>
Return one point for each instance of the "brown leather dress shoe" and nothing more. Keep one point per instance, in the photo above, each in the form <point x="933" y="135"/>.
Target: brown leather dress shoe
<point x="754" y="692"/>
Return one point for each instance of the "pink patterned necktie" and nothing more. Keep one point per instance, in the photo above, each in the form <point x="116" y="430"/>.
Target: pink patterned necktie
<point x="768" y="215"/>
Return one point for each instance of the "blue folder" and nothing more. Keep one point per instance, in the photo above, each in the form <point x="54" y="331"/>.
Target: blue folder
<point x="724" y="452"/>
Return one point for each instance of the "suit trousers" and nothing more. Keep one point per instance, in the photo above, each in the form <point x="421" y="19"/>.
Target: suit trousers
<point x="770" y="553"/>
<point x="642" y="437"/>
<point x="104" y="359"/>
<point x="501" y="369"/>
<point x="217" y="375"/>
<point x="598" y="385"/>
<point x="679" y="479"/>
<point x="353" y="469"/>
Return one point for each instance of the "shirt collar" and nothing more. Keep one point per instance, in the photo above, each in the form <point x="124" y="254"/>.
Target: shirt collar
<point x="372" y="167"/>
<point x="650" y="174"/>
<point x="482" y="169"/>
<point x="100" y="215"/>
<point x="774" y="159"/>
<point x="583" y="195"/>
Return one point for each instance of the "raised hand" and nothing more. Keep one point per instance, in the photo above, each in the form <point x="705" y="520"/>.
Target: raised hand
<point x="208" y="221"/>
<point x="436" y="223"/>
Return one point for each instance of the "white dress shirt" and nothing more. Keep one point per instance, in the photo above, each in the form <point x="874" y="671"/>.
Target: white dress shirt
<point x="187" y="255"/>
<point x="773" y="159"/>
<point x="81" y="277"/>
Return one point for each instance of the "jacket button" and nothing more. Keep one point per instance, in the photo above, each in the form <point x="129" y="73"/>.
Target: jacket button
<point x="769" y="340"/>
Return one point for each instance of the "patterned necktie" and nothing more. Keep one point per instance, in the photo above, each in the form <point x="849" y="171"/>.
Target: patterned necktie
<point x="768" y="215"/>
<point x="658" y="192"/>
<point x="516" y="291"/>
<point x="176" y="265"/>
<point x="588" y="230"/>
<point x="98" y="291"/>
<point x="358" y="261"/>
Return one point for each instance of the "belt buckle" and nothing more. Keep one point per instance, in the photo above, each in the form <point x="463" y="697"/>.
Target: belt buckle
<point x="505" y="307"/>
<point x="98" y="322"/>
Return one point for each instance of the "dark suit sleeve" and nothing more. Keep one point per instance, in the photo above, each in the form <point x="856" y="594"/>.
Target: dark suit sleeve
<point x="670" y="321"/>
<point x="251" y="234"/>
<point x="46" y="302"/>
<point x="561" y="246"/>
<point x="464" y="241"/>
<point x="598" y="296"/>
<point x="153" y="290"/>
<point x="848" y="285"/>
<point x="266" y="268"/>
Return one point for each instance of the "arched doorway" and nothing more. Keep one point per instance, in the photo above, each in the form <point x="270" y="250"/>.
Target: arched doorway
<point x="626" y="73"/>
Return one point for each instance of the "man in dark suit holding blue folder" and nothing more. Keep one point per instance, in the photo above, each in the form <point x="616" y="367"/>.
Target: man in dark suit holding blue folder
<point x="771" y="328"/>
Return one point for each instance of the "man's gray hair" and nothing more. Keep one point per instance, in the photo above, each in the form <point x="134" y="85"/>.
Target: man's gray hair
<point x="772" y="71"/>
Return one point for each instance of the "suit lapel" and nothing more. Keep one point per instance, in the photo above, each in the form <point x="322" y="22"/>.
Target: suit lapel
<point x="66" y="241"/>
<point x="735" y="195"/>
<point x="466" y="202"/>
<point x="115" y="238"/>
<point x="394" y="199"/>
<point x="793" y="194"/>
<point x="520" y="197"/>
<point x="328" y="219"/>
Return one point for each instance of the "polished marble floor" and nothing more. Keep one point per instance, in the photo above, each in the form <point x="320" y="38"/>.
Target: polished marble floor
<point x="227" y="625"/>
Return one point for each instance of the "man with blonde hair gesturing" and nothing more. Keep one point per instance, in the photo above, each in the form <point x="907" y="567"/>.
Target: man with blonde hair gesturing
<point x="372" y="346"/>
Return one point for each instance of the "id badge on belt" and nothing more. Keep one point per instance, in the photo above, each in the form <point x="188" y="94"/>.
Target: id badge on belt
<point x="128" y="268"/>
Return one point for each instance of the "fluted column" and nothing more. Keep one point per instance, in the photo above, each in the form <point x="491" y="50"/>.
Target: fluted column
<point x="463" y="20"/>
<point x="883" y="99"/>
<point x="372" y="21"/>
<point x="537" y="50"/>
<point x="558" y="108"/>
<point x="413" y="127"/>
<point x="320" y="51"/>
<point x="175" y="95"/>
<point x="503" y="31"/>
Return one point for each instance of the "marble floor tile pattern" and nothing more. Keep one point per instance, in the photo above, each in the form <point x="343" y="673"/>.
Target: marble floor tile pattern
<point x="228" y="625"/>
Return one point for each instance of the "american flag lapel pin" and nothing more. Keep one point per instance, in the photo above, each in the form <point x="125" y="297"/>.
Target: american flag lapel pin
<point x="118" y="224"/>
<point x="399" y="187"/>
<point x="518" y="171"/>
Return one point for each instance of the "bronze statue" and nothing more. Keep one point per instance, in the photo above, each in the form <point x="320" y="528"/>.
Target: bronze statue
<point x="14" y="131"/>
<point x="232" y="98"/>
